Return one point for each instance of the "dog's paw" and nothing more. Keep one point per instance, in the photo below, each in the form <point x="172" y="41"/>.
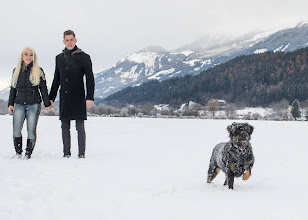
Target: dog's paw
<point x="246" y="175"/>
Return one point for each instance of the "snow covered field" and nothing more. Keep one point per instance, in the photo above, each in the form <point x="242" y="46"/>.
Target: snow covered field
<point x="152" y="169"/>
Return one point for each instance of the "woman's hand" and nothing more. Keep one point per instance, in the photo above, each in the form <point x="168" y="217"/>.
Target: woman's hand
<point x="51" y="106"/>
<point x="11" y="109"/>
<point x="48" y="108"/>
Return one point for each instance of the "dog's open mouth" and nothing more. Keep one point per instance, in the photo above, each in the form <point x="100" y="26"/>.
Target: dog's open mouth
<point x="243" y="147"/>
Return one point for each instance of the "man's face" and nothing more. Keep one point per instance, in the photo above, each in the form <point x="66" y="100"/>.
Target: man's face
<point x="69" y="41"/>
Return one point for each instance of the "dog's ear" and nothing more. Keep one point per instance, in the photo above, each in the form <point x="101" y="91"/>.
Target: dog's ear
<point x="231" y="127"/>
<point x="250" y="129"/>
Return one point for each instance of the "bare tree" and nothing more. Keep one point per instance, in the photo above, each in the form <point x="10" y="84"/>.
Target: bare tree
<point x="230" y="110"/>
<point x="196" y="107"/>
<point x="213" y="106"/>
<point x="128" y="111"/>
<point x="147" y="108"/>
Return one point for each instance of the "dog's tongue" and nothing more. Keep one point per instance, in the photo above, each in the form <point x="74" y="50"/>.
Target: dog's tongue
<point x="243" y="147"/>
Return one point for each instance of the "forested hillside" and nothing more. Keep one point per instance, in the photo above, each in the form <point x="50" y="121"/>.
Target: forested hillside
<point x="256" y="80"/>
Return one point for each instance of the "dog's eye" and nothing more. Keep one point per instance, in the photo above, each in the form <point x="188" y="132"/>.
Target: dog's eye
<point x="243" y="138"/>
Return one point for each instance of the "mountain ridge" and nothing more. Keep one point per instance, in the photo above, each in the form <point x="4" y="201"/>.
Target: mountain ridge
<point x="139" y="67"/>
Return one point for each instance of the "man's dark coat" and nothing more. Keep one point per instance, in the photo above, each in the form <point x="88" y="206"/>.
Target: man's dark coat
<point x="69" y="75"/>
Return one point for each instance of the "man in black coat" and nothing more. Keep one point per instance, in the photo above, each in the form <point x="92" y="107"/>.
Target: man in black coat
<point x="71" y="67"/>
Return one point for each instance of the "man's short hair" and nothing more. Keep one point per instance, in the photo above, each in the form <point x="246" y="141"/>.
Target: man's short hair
<point x="68" y="32"/>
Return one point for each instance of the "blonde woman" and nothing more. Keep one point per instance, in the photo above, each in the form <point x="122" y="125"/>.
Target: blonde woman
<point x="27" y="90"/>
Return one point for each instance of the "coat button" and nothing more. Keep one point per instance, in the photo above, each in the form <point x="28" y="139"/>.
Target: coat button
<point x="66" y="80"/>
<point x="66" y="68"/>
<point x="65" y="91"/>
<point x="25" y="103"/>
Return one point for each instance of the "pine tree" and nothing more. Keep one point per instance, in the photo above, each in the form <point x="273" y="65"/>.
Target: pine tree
<point x="296" y="109"/>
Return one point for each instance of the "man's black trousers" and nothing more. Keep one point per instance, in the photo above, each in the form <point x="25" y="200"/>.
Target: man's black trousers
<point x="66" y="136"/>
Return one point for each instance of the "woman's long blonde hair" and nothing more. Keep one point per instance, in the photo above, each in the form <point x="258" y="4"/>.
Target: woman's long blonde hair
<point x="36" y="71"/>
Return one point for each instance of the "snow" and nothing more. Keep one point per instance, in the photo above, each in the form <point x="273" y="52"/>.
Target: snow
<point x="148" y="58"/>
<point x="107" y="90"/>
<point x="260" y="51"/>
<point x="192" y="62"/>
<point x="260" y="36"/>
<point x="138" y="84"/>
<point x="132" y="74"/>
<point x="278" y="48"/>
<point x="162" y="72"/>
<point x="117" y="71"/>
<point x="286" y="47"/>
<point x="153" y="169"/>
<point x="161" y="107"/>
<point x="206" y="62"/>
<point x="109" y="79"/>
<point x="261" y="111"/>
<point x="174" y="74"/>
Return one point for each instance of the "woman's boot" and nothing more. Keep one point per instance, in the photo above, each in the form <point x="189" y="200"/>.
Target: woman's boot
<point x="18" y="146"/>
<point x="29" y="148"/>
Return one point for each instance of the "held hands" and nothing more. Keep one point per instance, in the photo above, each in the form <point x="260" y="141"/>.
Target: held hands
<point x="89" y="103"/>
<point x="51" y="106"/>
<point x="11" y="109"/>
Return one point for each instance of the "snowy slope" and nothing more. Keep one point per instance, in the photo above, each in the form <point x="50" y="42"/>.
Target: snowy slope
<point x="152" y="63"/>
<point x="153" y="169"/>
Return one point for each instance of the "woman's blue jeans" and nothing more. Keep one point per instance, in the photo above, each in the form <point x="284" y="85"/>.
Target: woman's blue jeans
<point x="29" y="112"/>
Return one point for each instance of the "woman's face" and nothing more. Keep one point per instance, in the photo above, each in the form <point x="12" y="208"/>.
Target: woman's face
<point x="27" y="56"/>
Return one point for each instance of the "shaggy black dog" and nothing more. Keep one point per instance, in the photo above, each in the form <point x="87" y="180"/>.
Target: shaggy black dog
<point x="234" y="158"/>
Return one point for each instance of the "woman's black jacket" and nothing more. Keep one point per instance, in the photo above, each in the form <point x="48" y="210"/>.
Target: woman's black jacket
<point x="25" y="93"/>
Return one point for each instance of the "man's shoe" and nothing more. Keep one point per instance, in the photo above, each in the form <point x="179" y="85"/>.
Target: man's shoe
<point x="67" y="155"/>
<point x="27" y="155"/>
<point x="81" y="156"/>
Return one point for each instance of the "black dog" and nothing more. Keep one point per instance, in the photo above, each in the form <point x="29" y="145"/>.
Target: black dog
<point x="234" y="158"/>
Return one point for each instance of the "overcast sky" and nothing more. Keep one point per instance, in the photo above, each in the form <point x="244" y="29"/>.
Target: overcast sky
<point x="109" y="30"/>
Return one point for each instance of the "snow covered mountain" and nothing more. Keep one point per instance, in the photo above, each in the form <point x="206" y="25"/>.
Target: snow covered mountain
<point x="157" y="63"/>
<point x="147" y="64"/>
<point x="5" y="84"/>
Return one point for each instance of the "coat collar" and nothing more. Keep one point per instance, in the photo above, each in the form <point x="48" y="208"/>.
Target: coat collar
<point x="77" y="51"/>
<point x="24" y="67"/>
<point x="73" y="51"/>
